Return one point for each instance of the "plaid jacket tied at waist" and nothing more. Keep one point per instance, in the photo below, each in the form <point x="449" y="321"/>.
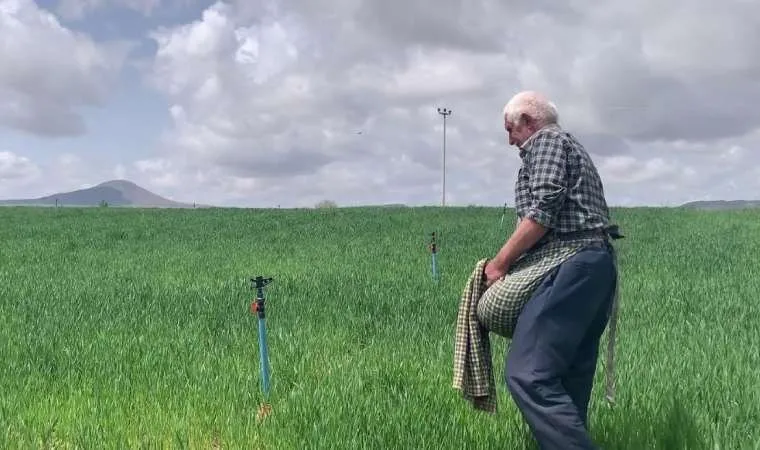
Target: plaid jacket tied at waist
<point x="497" y="308"/>
<point x="472" y="349"/>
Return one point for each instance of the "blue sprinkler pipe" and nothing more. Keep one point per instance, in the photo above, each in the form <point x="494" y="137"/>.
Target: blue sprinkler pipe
<point x="433" y="254"/>
<point x="257" y="307"/>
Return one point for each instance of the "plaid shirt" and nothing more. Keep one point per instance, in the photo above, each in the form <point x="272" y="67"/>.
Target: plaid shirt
<point x="577" y="216"/>
<point x="558" y="185"/>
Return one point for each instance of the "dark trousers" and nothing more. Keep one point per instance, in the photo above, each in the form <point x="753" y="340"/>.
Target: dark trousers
<point x="552" y="358"/>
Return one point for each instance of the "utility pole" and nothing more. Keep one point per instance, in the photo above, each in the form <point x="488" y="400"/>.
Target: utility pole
<point x="445" y="113"/>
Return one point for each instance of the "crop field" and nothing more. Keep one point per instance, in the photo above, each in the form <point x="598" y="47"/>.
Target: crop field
<point x="129" y="328"/>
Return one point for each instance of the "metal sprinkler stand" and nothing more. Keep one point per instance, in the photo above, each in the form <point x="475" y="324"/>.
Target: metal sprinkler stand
<point x="257" y="307"/>
<point x="433" y="254"/>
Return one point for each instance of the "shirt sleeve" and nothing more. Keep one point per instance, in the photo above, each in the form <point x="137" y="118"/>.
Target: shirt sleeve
<point x="547" y="175"/>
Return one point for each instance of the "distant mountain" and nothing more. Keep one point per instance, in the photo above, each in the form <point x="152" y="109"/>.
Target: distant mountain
<point x="114" y="193"/>
<point x="722" y="204"/>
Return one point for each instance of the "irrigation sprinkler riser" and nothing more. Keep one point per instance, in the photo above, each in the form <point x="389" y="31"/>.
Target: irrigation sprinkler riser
<point x="433" y="255"/>
<point x="258" y="307"/>
<point x="264" y="358"/>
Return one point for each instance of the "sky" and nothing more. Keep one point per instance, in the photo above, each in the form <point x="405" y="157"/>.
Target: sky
<point x="256" y="103"/>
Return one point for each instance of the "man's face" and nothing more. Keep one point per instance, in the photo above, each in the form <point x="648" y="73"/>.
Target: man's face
<point x="517" y="133"/>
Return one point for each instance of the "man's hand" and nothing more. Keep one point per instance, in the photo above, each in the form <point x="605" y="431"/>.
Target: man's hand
<point x="493" y="273"/>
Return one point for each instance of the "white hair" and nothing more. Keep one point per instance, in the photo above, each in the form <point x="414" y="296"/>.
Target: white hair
<point x="532" y="104"/>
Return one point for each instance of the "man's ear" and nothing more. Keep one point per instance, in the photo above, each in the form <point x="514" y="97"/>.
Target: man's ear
<point x="527" y="120"/>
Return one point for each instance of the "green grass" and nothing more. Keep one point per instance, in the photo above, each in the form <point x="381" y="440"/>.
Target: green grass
<point x="125" y="328"/>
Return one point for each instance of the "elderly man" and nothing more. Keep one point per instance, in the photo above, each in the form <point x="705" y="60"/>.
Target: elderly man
<point x="560" y="202"/>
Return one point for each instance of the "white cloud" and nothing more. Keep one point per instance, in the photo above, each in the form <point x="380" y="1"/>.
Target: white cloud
<point x="17" y="169"/>
<point x="628" y="169"/>
<point x="734" y="154"/>
<point x="159" y="173"/>
<point x="49" y="71"/>
<point x="291" y="102"/>
<point x="281" y="94"/>
<point x="23" y="177"/>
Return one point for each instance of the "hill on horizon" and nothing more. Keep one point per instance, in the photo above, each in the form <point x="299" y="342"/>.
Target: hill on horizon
<point x="113" y="193"/>
<point x="722" y="204"/>
<point x="124" y="193"/>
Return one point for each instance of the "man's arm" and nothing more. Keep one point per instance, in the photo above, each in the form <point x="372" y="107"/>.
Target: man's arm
<point x="548" y="185"/>
<point x="526" y="235"/>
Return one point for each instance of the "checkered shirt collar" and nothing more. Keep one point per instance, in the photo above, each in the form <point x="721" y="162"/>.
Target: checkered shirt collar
<point x="525" y="147"/>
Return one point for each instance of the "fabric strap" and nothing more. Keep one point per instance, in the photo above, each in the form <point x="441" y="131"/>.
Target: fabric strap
<point x="614" y="233"/>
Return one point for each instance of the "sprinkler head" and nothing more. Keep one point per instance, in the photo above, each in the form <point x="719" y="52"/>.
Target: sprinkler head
<point x="260" y="282"/>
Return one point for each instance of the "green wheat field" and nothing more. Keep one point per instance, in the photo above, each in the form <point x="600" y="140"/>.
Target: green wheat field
<point x="130" y="328"/>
